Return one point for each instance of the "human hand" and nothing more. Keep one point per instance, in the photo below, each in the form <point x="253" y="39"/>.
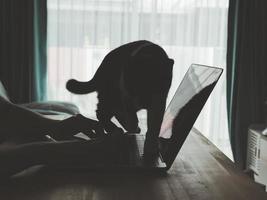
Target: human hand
<point x="90" y="127"/>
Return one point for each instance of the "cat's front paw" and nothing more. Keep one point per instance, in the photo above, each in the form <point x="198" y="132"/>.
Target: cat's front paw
<point x="117" y="131"/>
<point x="137" y="130"/>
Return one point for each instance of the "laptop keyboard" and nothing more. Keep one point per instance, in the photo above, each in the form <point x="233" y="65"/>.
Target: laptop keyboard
<point x="130" y="151"/>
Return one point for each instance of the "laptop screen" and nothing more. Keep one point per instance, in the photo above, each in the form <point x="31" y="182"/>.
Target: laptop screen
<point x="185" y="107"/>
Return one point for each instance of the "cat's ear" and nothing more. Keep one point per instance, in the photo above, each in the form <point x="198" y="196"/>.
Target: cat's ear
<point x="170" y="62"/>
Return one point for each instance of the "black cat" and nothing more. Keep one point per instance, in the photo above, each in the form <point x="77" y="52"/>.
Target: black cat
<point x="131" y="77"/>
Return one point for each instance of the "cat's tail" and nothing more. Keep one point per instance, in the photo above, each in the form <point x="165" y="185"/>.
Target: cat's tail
<point x="78" y="87"/>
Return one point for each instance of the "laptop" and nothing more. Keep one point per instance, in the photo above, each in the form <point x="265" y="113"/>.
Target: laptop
<point x="179" y="118"/>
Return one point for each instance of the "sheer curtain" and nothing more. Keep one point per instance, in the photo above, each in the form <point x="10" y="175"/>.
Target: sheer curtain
<point x="82" y="32"/>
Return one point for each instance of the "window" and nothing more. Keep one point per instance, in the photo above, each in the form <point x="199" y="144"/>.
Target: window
<point x="82" y="32"/>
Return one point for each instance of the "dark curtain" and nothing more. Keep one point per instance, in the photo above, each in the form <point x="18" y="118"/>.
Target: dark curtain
<point x="23" y="49"/>
<point x="246" y="71"/>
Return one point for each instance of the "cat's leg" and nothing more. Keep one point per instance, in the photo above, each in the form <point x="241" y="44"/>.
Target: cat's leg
<point x="104" y="116"/>
<point x="128" y="120"/>
<point x="155" y="113"/>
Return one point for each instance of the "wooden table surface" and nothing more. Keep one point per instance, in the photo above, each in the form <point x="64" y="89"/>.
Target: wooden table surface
<point x="200" y="171"/>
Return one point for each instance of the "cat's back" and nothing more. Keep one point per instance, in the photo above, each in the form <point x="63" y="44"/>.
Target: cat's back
<point x="121" y="56"/>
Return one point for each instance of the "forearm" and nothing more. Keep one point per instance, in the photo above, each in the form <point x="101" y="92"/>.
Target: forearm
<point x="17" y="158"/>
<point x="23" y="123"/>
